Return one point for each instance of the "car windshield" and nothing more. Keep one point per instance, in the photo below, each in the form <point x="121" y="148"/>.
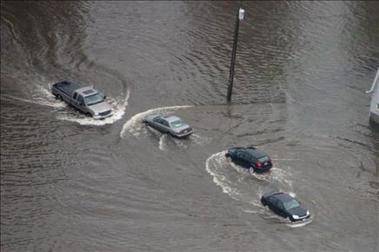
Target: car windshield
<point x="93" y="99"/>
<point x="177" y="124"/>
<point x="263" y="159"/>
<point x="291" y="204"/>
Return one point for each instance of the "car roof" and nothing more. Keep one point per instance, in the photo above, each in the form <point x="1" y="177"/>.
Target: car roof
<point x="284" y="197"/>
<point x="87" y="91"/>
<point x="253" y="151"/>
<point x="171" y="118"/>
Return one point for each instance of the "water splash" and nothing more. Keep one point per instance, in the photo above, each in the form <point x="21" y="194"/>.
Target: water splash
<point x="231" y="182"/>
<point x="162" y="142"/>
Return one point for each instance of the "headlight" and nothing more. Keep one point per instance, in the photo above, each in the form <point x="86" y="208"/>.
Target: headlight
<point x="307" y="212"/>
<point x="295" y="217"/>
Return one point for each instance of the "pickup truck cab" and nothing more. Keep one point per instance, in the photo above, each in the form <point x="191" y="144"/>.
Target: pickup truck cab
<point x="86" y="99"/>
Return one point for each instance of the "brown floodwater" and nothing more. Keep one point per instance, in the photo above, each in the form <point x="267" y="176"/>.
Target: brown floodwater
<point x="70" y="183"/>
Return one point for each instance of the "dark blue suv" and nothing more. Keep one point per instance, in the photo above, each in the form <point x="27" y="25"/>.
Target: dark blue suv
<point x="250" y="157"/>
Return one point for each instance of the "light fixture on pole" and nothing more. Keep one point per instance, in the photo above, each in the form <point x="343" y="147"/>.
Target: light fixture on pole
<point x="239" y="17"/>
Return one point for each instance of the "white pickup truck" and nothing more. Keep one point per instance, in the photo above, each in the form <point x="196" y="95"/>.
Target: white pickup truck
<point x="86" y="99"/>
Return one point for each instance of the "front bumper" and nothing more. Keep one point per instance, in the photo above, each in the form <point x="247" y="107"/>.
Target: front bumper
<point x="102" y="117"/>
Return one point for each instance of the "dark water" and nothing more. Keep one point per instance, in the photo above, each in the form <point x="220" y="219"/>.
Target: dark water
<point x="69" y="183"/>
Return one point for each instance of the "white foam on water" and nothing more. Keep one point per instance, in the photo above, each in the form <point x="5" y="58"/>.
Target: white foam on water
<point x="212" y="165"/>
<point x="118" y="108"/>
<point x="292" y="194"/>
<point x="134" y="125"/>
<point x="282" y="177"/>
<point x="38" y="101"/>
<point x="198" y="139"/>
<point x="300" y="223"/>
<point x="237" y="185"/>
<point x="163" y="142"/>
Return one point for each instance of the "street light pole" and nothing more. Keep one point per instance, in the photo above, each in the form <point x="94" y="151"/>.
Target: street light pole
<point x="239" y="17"/>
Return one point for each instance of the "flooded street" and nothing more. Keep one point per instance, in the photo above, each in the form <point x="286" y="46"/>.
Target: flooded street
<point x="72" y="183"/>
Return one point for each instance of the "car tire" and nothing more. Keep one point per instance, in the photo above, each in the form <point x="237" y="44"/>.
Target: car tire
<point x="227" y="155"/>
<point x="59" y="97"/>
<point x="291" y="219"/>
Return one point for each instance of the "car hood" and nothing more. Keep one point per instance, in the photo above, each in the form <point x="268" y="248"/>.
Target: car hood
<point x="100" y="107"/>
<point x="299" y="211"/>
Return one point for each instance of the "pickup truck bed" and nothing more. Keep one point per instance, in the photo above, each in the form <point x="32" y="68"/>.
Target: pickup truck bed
<point x="66" y="87"/>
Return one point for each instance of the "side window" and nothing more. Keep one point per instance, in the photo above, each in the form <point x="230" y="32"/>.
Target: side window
<point x="160" y="120"/>
<point x="165" y="123"/>
<point x="80" y="100"/>
<point x="75" y="95"/>
<point x="247" y="157"/>
<point x="241" y="155"/>
<point x="274" y="202"/>
<point x="280" y="205"/>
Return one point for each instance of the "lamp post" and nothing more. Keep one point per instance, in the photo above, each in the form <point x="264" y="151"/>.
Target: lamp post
<point x="239" y="17"/>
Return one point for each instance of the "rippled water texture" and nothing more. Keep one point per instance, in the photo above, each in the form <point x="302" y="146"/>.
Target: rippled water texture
<point x="71" y="183"/>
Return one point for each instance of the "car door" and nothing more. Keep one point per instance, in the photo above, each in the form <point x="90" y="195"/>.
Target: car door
<point x="271" y="203"/>
<point x="166" y="126"/>
<point x="81" y="105"/>
<point x="236" y="157"/>
<point x="74" y="99"/>
<point x="160" y="124"/>
<point x="155" y="122"/>
<point x="248" y="160"/>
<point x="244" y="159"/>
<point x="280" y="209"/>
<point x="275" y="205"/>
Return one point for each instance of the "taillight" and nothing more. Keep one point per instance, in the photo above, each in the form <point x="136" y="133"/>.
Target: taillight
<point x="258" y="165"/>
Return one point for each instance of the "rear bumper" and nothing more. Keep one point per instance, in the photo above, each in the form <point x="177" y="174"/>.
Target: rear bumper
<point x="262" y="170"/>
<point x="183" y="135"/>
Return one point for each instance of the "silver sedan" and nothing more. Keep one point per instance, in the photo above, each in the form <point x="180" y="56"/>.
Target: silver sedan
<point x="172" y="125"/>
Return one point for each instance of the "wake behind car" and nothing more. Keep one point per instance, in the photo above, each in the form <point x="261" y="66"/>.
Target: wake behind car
<point x="285" y="206"/>
<point x="86" y="99"/>
<point x="171" y="124"/>
<point x="250" y="158"/>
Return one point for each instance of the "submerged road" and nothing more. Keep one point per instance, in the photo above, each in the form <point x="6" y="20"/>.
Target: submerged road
<point x="70" y="183"/>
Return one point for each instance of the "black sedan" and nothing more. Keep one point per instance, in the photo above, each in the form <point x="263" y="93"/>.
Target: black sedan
<point x="250" y="158"/>
<point x="285" y="206"/>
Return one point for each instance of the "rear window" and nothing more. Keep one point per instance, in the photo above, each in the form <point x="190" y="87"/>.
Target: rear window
<point x="177" y="124"/>
<point x="263" y="159"/>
